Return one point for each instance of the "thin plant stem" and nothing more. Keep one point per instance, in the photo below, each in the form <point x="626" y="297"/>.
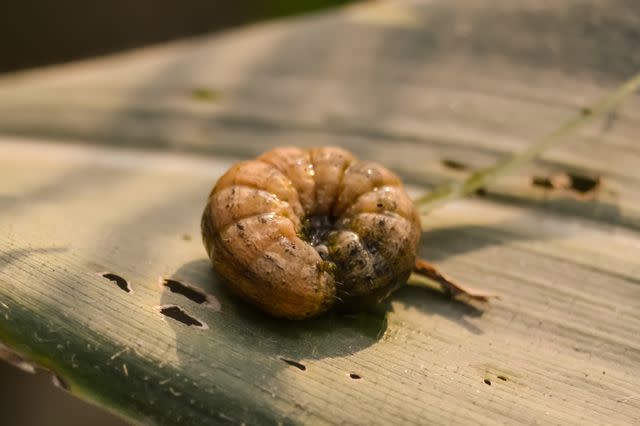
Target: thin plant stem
<point x="454" y="190"/>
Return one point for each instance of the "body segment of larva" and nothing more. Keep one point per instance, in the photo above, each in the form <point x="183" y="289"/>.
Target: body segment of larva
<point x="297" y="232"/>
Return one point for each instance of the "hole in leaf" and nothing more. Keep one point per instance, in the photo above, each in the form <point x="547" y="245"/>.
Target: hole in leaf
<point x="178" y="314"/>
<point x="185" y="290"/>
<point x="542" y="182"/>
<point x="295" y="364"/>
<point x="583" y="184"/>
<point x="487" y="381"/>
<point x="355" y="376"/>
<point x="574" y="182"/>
<point x="455" y="165"/>
<point x="503" y="378"/>
<point x="118" y="280"/>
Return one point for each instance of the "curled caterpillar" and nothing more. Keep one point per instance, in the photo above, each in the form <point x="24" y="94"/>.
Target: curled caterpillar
<point x="297" y="232"/>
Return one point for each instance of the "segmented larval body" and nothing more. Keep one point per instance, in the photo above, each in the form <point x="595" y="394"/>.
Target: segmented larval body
<point x="296" y="232"/>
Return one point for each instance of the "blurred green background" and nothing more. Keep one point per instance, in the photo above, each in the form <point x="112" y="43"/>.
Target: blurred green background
<point x="34" y="33"/>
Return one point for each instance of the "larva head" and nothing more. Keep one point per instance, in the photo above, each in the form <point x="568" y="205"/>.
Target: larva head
<point x="297" y="232"/>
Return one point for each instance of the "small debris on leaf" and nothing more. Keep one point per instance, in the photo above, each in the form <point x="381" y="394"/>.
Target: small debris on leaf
<point x="204" y="94"/>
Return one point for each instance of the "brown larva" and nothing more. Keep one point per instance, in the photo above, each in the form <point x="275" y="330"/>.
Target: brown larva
<point x="298" y="232"/>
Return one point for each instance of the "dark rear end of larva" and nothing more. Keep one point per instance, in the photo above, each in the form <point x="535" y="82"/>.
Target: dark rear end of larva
<point x="297" y="232"/>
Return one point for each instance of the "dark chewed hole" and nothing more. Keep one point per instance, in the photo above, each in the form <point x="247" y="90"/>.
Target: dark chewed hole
<point x="185" y="290"/>
<point x="455" y="165"/>
<point x="118" y="280"/>
<point x="574" y="182"/>
<point x="178" y="314"/>
<point x="293" y="363"/>
<point x="583" y="184"/>
<point x="487" y="381"/>
<point x="355" y="376"/>
<point x="542" y="182"/>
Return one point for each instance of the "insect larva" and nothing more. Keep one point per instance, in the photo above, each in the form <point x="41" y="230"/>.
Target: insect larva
<point x="297" y="232"/>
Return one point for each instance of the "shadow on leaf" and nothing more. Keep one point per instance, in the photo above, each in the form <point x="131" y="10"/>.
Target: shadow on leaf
<point x="331" y="335"/>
